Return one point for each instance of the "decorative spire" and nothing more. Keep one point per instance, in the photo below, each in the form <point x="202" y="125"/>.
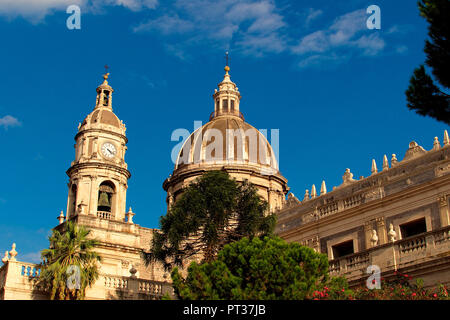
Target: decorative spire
<point x="436" y="144"/>
<point x="61" y="217"/>
<point x="323" y="188"/>
<point x="227" y="98"/>
<point x="385" y="163"/>
<point x="313" y="191"/>
<point x="394" y="160"/>
<point x="374" y="167"/>
<point x="446" y="139"/>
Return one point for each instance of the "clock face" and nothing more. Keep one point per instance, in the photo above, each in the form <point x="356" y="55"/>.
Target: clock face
<point x="109" y="150"/>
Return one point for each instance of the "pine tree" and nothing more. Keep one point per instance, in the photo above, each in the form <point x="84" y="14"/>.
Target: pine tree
<point x="423" y="95"/>
<point x="213" y="211"/>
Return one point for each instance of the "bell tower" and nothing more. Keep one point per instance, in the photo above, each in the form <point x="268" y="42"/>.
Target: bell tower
<point x="98" y="176"/>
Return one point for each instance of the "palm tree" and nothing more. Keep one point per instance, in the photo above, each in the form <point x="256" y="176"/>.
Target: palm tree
<point x="70" y="265"/>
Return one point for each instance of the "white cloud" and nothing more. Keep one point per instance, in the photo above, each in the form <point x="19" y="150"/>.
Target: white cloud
<point x="312" y="14"/>
<point x="9" y="121"/>
<point x="33" y="257"/>
<point x="36" y="10"/>
<point x="166" y="25"/>
<point x="346" y="36"/>
<point x="253" y="27"/>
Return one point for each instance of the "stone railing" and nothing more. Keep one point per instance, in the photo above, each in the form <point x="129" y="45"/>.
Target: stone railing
<point x="352" y="201"/>
<point x="104" y="215"/>
<point x="411" y="251"/>
<point x="116" y="282"/>
<point x="29" y="270"/>
<point x="16" y="276"/>
<point x="328" y="209"/>
<point x="151" y="287"/>
<point x="135" y="288"/>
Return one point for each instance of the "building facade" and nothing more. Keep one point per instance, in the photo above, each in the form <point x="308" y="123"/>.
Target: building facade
<point x="397" y="219"/>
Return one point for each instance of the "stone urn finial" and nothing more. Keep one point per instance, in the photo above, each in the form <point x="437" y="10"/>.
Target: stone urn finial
<point x="13" y="252"/>
<point x="6" y="257"/>
<point x="133" y="271"/>
<point x="130" y="214"/>
<point x="392" y="234"/>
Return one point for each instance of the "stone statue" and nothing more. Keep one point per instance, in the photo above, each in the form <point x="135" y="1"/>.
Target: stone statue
<point x="374" y="238"/>
<point x="392" y="234"/>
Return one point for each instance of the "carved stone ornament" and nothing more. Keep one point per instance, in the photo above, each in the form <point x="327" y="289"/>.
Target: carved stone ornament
<point x="291" y="201"/>
<point x="414" y="151"/>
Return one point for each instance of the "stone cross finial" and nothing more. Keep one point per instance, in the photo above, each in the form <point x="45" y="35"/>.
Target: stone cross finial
<point x="323" y="188"/>
<point x="392" y="234"/>
<point x="446" y="139"/>
<point x="385" y="163"/>
<point x="313" y="191"/>
<point x="374" y="167"/>
<point x="6" y="257"/>
<point x="374" y="238"/>
<point x="394" y="160"/>
<point x="130" y="214"/>
<point x="13" y="252"/>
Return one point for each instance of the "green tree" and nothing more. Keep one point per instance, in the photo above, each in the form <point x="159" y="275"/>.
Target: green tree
<point x="423" y="95"/>
<point x="212" y="211"/>
<point x="256" y="269"/>
<point x="70" y="248"/>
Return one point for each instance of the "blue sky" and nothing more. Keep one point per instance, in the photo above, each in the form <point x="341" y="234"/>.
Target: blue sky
<point x="311" y="69"/>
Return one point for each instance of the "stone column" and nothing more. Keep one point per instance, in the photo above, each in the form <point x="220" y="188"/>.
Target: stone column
<point x="381" y="230"/>
<point x="443" y="210"/>
<point x="368" y="234"/>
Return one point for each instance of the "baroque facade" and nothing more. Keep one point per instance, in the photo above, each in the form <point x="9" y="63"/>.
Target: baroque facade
<point x="397" y="218"/>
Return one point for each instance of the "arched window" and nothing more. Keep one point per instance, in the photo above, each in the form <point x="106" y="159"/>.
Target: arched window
<point x="106" y="194"/>
<point x="72" y="201"/>
<point x="105" y="98"/>
<point x="225" y="106"/>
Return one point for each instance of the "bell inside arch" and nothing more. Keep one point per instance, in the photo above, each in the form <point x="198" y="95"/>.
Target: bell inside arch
<point x="104" y="203"/>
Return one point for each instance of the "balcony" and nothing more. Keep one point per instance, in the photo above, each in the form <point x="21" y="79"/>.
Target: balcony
<point x="416" y="253"/>
<point x="104" y="215"/>
<point x="18" y="280"/>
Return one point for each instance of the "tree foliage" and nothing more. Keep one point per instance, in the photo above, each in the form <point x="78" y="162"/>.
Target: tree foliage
<point x="70" y="248"/>
<point x="257" y="269"/>
<point x="423" y="95"/>
<point x="213" y="211"/>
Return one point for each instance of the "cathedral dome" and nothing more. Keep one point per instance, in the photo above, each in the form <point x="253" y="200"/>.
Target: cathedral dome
<point x="228" y="143"/>
<point x="102" y="116"/>
<point x="226" y="140"/>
